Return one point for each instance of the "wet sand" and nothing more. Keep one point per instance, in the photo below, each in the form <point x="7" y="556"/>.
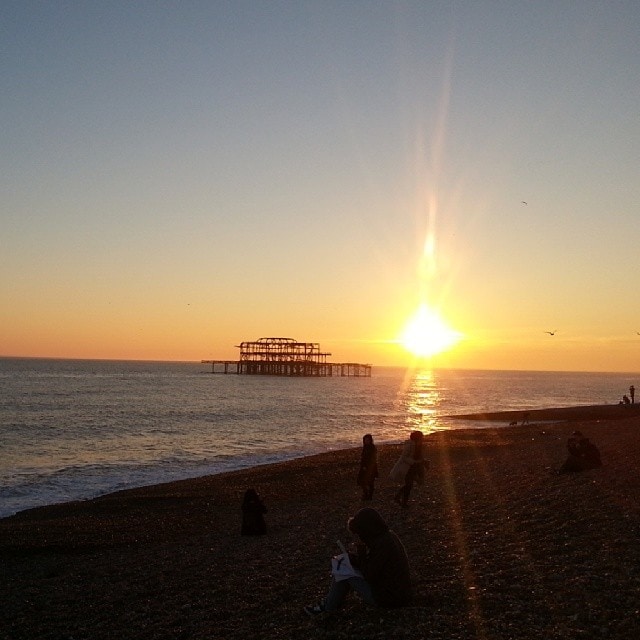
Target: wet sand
<point x="501" y="547"/>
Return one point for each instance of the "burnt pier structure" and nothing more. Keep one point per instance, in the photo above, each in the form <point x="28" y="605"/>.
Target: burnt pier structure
<point x="286" y="357"/>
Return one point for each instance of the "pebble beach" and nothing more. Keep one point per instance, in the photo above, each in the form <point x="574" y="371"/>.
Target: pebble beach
<point x="501" y="546"/>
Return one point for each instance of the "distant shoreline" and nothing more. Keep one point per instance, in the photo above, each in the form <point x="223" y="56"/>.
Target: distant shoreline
<point x="555" y="414"/>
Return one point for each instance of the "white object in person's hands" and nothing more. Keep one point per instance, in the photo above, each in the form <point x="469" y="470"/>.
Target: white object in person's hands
<point x="341" y="567"/>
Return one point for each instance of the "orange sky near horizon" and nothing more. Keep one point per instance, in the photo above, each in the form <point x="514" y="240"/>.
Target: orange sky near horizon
<point x="177" y="180"/>
<point x="179" y="339"/>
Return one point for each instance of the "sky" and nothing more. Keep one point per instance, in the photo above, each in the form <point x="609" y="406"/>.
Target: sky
<point x="178" y="177"/>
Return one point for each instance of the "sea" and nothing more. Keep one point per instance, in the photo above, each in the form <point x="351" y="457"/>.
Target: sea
<point x="77" y="429"/>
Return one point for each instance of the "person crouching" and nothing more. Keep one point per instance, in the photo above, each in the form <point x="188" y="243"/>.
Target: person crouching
<point x="381" y="558"/>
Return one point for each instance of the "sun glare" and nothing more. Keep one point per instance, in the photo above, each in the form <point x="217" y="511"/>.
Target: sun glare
<point x="426" y="334"/>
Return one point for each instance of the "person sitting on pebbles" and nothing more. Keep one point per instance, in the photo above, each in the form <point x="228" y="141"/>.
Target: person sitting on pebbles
<point x="382" y="578"/>
<point x="583" y="454"/>
<point x="253" y="510"/>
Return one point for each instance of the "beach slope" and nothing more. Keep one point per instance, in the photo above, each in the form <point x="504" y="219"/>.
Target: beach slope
<point x="501" y="547"/>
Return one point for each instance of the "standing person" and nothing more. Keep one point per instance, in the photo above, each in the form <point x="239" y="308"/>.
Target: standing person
<point x="368" y="467"/>
<point x="253" y="511"/>
<point x="632" y="393"/>
<point x="381" y="558"/>
<point x="410" y="467"/>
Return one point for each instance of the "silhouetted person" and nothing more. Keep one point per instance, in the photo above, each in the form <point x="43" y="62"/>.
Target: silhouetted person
<point x="625" y="399"/>
<point x="253" y="511"/>
<point x="632" y="393"/>
<point x="381" y="559"/>
<point x="410" y="467"/>
<point x="583" y="454"/>
<point x="368" y="467"/>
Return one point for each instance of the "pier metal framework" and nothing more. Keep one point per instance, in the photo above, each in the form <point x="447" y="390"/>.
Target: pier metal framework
<point x="286" y="357"/>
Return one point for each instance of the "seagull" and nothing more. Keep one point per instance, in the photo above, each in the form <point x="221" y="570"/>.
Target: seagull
<point x="523" y="202"/>
<point x="551" y="333"/>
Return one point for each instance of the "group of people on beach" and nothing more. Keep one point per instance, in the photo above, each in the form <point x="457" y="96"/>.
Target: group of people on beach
<point x="625" y="397"/>
<point x="407" y="471"/>
<point x="378" y="570"/>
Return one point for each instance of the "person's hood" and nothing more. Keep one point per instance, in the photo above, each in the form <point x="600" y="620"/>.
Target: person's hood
<point x="368" y="524"/>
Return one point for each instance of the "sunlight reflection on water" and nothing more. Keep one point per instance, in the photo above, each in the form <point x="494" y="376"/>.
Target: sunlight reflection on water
<point x="422" y="401"/>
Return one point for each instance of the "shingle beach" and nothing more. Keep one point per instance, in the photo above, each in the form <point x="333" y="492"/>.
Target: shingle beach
<point x="501" y="547"/>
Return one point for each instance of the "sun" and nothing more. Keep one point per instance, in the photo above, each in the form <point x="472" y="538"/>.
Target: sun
<point x="426" y="334"/>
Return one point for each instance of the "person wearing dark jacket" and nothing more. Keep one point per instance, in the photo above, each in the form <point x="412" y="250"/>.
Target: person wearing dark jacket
<point x="381" y="558"/>
<point x="368" y="467"/>
<point x="583" y="454"/>
<point x="253" y="511"/>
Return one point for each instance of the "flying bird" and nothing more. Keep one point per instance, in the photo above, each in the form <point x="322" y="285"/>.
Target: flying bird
<point x="551" y="333"/>
<point x="523" y="202"/>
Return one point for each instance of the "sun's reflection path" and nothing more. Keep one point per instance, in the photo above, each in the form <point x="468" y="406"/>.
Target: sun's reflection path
<point x="462" y="543"/>
<point x="422" y="399"/>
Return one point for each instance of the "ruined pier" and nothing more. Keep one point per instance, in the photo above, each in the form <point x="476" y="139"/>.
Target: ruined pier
<point x="286" y="357"/>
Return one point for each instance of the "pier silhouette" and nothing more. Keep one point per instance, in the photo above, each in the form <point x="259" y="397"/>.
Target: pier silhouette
<point x="286" y="357"/>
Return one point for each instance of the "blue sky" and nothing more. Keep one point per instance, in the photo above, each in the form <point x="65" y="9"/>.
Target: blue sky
<point x="178" y="177"/>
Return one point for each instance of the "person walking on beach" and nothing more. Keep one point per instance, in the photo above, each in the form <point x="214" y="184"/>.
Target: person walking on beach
<point x="632" y="393"/>
<point x="368" y="467"/>
<point x="410" y="467"/>
<point x="382" y="577"/>
<point x="253" y="511"/>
